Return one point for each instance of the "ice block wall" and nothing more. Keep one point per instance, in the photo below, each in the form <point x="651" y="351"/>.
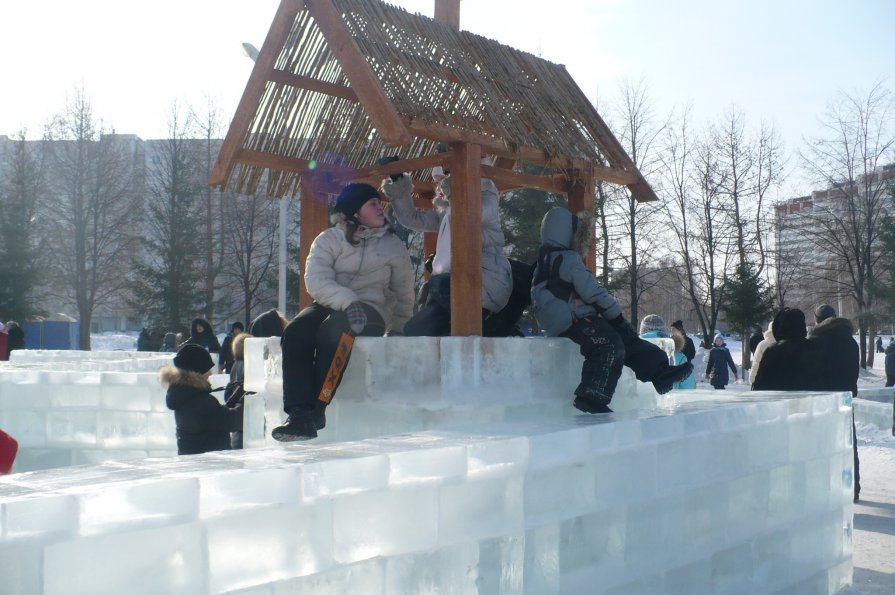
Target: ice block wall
<point x="78" y="407"/>
<point x="741" y="496"/>
<point x="408" y="384"/>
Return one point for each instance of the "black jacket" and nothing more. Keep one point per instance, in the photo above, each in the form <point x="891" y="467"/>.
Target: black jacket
<point x="788" y="365"/>
<point x="836" y="363"/>
<point x="689" y="350"/>
<point x="718" y="362"/>
<point x="206" y="338"/>
<point x="890" y="360"/>
<point x="16" y="335"/>
<point x="268" y="324"/>
<point x="203" y="424"/>
<point x="756" y="338"/>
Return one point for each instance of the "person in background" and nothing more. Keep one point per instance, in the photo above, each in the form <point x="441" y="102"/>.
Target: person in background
<point x="719" y="361"/>
<point x="16" y="336"/>
<point x="652" y="326"/>
<point x="678" y="337"/>
<point x="838" y="364"/>
<point x="8" y="450"/>
<point x="756" y="338"/>
<point x="879" y="345"/>
<point x="235" y="391"/>
<point x="786" y="364"/>
<point x="4" y="343"/>
<point x="203" y="424"/>
<point x="689" y="349"/>
<point x="890" y="362"/>
<point x="759" y="352"/>
<point x="268" y="324"/>
<point x="225" y="358"/>
<point x="169" y="343"/>
<point x="143" y="340"/>
<point x="359" y="274"/>
<point x="201" y="334"/>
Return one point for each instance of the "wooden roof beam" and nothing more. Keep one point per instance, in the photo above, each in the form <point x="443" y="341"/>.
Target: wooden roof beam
<point x="401" y="166"/>
<point x="366" y="85"/>
<point x="312" y="84"/>
<point x="251" y="96"/>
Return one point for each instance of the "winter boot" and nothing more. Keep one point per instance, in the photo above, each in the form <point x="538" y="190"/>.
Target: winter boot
<point x="301" y="425"/>
<point x="664" y="380"/>
<point x="589" y="400"/>
<point x="588" y="406"/>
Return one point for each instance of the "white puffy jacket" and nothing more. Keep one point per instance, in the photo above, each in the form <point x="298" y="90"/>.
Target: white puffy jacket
<point x="377" y="272"/>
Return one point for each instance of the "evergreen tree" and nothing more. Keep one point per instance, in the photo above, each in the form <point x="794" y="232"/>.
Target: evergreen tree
<point x="168" y="287"/>
<point x="884" y="285"/>
<point x="21" y="183"/>
<point x="748" y="301"/>
<point x="521" y="212"/>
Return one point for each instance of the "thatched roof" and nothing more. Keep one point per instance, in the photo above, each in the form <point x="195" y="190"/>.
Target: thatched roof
<point x="340" y="83"/>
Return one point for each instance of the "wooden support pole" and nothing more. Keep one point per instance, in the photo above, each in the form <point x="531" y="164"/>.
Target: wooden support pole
<point x="314" y="220"/>
<point x="582" y="197"/>
<point x="466" y="241"/>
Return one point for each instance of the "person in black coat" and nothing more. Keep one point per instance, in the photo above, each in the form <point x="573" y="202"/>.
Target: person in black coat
<point x="788" y="364"/>
<point x="718" y="362"/>
<point x="689" y="349"/>
<point x="225" y="359"/>
<point x="202" y="335"/>
<point x="836" y="364"/>
<point x="143" y="341"/>
<point x="756" y="338"/>
<point x="16" y="336"/>
<point x="203" y="424"/>
<point x="890" y="363"/>
<point x="268" y="324"/>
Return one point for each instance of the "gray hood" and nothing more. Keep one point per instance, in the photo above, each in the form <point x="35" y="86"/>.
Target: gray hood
<point x="556" y="228"/>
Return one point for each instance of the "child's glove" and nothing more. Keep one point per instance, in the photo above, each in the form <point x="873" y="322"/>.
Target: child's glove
<point x="357" y="318"/>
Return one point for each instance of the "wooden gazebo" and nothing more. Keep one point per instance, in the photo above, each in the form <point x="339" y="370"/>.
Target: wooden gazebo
<point x="340" y="83"/>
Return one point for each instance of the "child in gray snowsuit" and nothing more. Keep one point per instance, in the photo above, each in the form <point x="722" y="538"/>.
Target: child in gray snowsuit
<point x="568" y="301"/>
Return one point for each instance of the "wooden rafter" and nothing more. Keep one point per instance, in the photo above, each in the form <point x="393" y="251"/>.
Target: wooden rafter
<point x="370" y="93"/>
<point x="251" y="96"/>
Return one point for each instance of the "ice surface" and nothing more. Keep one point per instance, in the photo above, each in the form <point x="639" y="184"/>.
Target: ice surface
<point x="488" y="484"/>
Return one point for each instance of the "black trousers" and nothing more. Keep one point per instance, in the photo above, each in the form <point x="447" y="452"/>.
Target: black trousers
<point x="604" y="357"/>
<point x="309" y="344"/>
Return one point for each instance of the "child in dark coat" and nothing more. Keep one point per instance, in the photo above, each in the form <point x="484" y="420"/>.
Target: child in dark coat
<point x="203" y="424"/>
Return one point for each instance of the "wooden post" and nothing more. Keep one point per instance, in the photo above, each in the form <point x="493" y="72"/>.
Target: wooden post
<point x="314" y="220"/>
<point x="448" y="11"/>
<point x="466" y="241"/>
<point x="582" y="197"/>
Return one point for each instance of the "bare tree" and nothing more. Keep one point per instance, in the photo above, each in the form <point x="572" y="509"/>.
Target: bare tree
<point x="704" y="245"/>
<point x="847" y="220"/>
<point x="251" y="226"/>
<point x="639" y="130"/>
<point x="209" y="127"/>
<point x="90" y="208"/>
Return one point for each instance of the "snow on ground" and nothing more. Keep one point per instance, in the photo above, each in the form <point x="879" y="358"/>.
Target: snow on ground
<point x="110" y="341"/>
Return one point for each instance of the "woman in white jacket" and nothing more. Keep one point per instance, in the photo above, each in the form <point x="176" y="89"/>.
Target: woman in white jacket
<point x="759" y="352"/>
<point x="360" y="277"/>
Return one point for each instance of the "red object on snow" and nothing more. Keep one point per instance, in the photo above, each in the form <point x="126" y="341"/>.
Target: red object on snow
<point x="4" y="346"/>
<point x="8" y="449"/>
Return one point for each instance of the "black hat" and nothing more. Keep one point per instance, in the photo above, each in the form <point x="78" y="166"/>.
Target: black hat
<point x="237" y="325"/>
<point x="823" y="312"/>
<point x="678" y="324"/>
<point x="353" y="197"/>
<point x="193" y="358"/>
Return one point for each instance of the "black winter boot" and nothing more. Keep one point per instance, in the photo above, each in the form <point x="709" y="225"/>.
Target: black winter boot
<point x="301" y="425"/>
<point x="588" y="406"/>
<point x="664" y="380"/>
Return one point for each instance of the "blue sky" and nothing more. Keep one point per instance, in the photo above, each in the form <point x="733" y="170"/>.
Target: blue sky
<point x="778" y="61"/>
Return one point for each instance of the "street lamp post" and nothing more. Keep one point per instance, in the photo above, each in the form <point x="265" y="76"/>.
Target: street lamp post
<point x="252" y="53"/>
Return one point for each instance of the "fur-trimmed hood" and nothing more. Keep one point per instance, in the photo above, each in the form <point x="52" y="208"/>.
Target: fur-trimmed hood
<point x="238" y="346"/>
<point x="182" y="385"/>
<point x="839" y="328"/>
